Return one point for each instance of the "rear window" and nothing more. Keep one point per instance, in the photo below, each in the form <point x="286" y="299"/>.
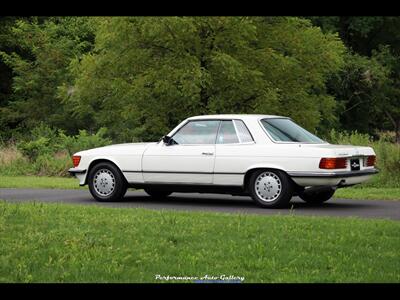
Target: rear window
<point x="285" y="130"/>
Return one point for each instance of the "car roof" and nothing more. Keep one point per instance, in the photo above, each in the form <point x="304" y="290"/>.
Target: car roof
<point x="234" y="116"/>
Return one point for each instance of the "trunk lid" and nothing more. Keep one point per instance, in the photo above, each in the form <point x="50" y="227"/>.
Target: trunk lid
<point x="343" y="150"/>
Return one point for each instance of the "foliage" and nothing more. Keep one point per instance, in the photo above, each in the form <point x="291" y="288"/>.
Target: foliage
<point x="358" y="89"/>
<point x="140" y="76"/>
<point x="388" y="156"/>
<point x="84" y="140"/>
<point x="46" y="49"/>
<point x="47" y="151"/>
<point x="369" y="86"/>
<point x="146" y="75"/>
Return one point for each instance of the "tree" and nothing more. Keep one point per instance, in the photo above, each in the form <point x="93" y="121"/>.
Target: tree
<point x="369" y="85"/>
<point x="145" y="75"/>
<point x="389" y="105"/>
<point x="47" y="46"/>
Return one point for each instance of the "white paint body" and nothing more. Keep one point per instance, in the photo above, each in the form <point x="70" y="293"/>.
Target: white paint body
<point x="225" y="164"/>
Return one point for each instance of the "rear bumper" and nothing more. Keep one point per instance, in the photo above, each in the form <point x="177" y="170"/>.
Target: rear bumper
<point x="78" y="173"/>
<point x="338" y="178"/>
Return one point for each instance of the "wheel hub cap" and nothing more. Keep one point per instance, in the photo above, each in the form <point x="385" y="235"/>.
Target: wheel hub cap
<point x="268" y="186"/>
<point x="104" y="182"/>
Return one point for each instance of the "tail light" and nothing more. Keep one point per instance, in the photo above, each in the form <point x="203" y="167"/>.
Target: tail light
<point x="371" y="159"/>
<point x="333" y="163"/>
<point x="76" y="160"/>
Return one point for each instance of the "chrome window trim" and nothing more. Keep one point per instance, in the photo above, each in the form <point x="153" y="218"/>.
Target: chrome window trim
<point x="219" y="126"/>
<point x="187" y="122"/>
<point x="237" y="135"/>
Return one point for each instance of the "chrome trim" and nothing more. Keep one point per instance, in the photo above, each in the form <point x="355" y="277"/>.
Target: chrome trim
<point x="176" y="130"/>
<point x="339" y="174"/>
<point x="182" y="172"/>
<point x="74" y="171"/>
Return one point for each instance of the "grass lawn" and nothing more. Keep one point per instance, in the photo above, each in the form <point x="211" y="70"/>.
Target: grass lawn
<point x="72" y="183"/>
<point x="369" y="193"/>
<point x="39" y="182"/>
<point x="71" y="243"/>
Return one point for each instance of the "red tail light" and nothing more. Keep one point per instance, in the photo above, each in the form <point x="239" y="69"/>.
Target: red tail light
<point x="333" y="163"/>
<point x="76" y="160"/>
<point x="371" y="160"/>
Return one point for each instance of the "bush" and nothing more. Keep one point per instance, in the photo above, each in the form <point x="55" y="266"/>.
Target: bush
<point x="33" y="149"/>
<point x="48" y="152"/>
<point x="349" y="138"/>
<point x="84" y="141"/>
<point x="52" y="165"/>
<point x="387" y="153"/>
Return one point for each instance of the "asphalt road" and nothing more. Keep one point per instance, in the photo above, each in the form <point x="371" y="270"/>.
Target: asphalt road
<point x="211" y="202"/>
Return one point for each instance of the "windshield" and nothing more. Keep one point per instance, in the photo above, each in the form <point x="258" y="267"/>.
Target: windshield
<point x="285" y="130"/>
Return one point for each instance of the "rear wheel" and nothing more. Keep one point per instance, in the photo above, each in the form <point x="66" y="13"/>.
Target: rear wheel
<point x="270" y="188"/>
<point x="106" y="182"/>
<point x="157" y="193"/>
<point x="317" y="197"/>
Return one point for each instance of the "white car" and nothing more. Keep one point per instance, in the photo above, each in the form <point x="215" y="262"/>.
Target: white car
<point x="267" y="157"/>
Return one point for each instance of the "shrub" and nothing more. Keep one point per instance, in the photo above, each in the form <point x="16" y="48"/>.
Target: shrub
<point x="349" y="138"/>
<point x="52" y="165"/>
<point x="48" y="152"/>
<point x="33" y="149"/>
<point x="84" y="141"/>
<point x="387" y="153"/>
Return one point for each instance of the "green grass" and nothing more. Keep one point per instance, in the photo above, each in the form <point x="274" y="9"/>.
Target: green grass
<point x="368" y="193"/>
<point x="39" y="182"/>
<point x="71" y="243"/>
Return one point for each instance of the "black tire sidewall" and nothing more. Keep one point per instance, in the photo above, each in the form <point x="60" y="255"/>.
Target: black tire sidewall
<point x="317" y="197"/>
<point x="157" y="193"/>
<point x="120" y="183"/>
<point x="284" y="197"/>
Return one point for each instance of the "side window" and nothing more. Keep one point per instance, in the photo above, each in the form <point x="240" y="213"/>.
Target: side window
<point x="197" y="132"/>
<point x="227" y="133"/>
<point x="243" y="132"/>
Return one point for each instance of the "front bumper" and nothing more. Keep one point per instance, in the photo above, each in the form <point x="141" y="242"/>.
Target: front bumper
<point x="78" y="173"/>
<point x="338" y="178"/>
<point x="74" y="171"/>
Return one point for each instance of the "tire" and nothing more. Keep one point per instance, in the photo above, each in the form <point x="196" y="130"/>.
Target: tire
<point x="317" y="197"/>
<point x="157" y="193"/>
<point x="114" y="184"/>
<point x="270" y="188"/>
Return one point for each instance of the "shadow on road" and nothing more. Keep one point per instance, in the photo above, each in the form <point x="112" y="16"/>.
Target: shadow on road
<point x="239" y="202"/>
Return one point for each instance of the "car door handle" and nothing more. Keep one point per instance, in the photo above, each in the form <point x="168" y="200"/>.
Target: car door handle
<point x="207" y="153"/>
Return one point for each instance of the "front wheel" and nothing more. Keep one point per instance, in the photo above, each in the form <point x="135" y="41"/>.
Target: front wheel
<point x="317" y="197"/>
<point x="270" y="188"/>
<point x="106" y="182"/>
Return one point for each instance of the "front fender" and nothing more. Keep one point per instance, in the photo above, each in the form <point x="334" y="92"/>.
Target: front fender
<point x="87" y="163"/>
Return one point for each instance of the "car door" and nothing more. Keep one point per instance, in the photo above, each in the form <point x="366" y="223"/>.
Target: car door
<point x="190" y="159"/>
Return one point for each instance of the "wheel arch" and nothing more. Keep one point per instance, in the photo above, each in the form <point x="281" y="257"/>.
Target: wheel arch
<point x="251" y="170"/>
<point x="98" y="160"/>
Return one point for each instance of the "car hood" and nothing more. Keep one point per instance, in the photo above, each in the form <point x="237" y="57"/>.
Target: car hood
<point x="120" y="149"/>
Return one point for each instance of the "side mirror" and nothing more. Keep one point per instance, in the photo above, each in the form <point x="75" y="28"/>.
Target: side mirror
<point x="167" y="140"/>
